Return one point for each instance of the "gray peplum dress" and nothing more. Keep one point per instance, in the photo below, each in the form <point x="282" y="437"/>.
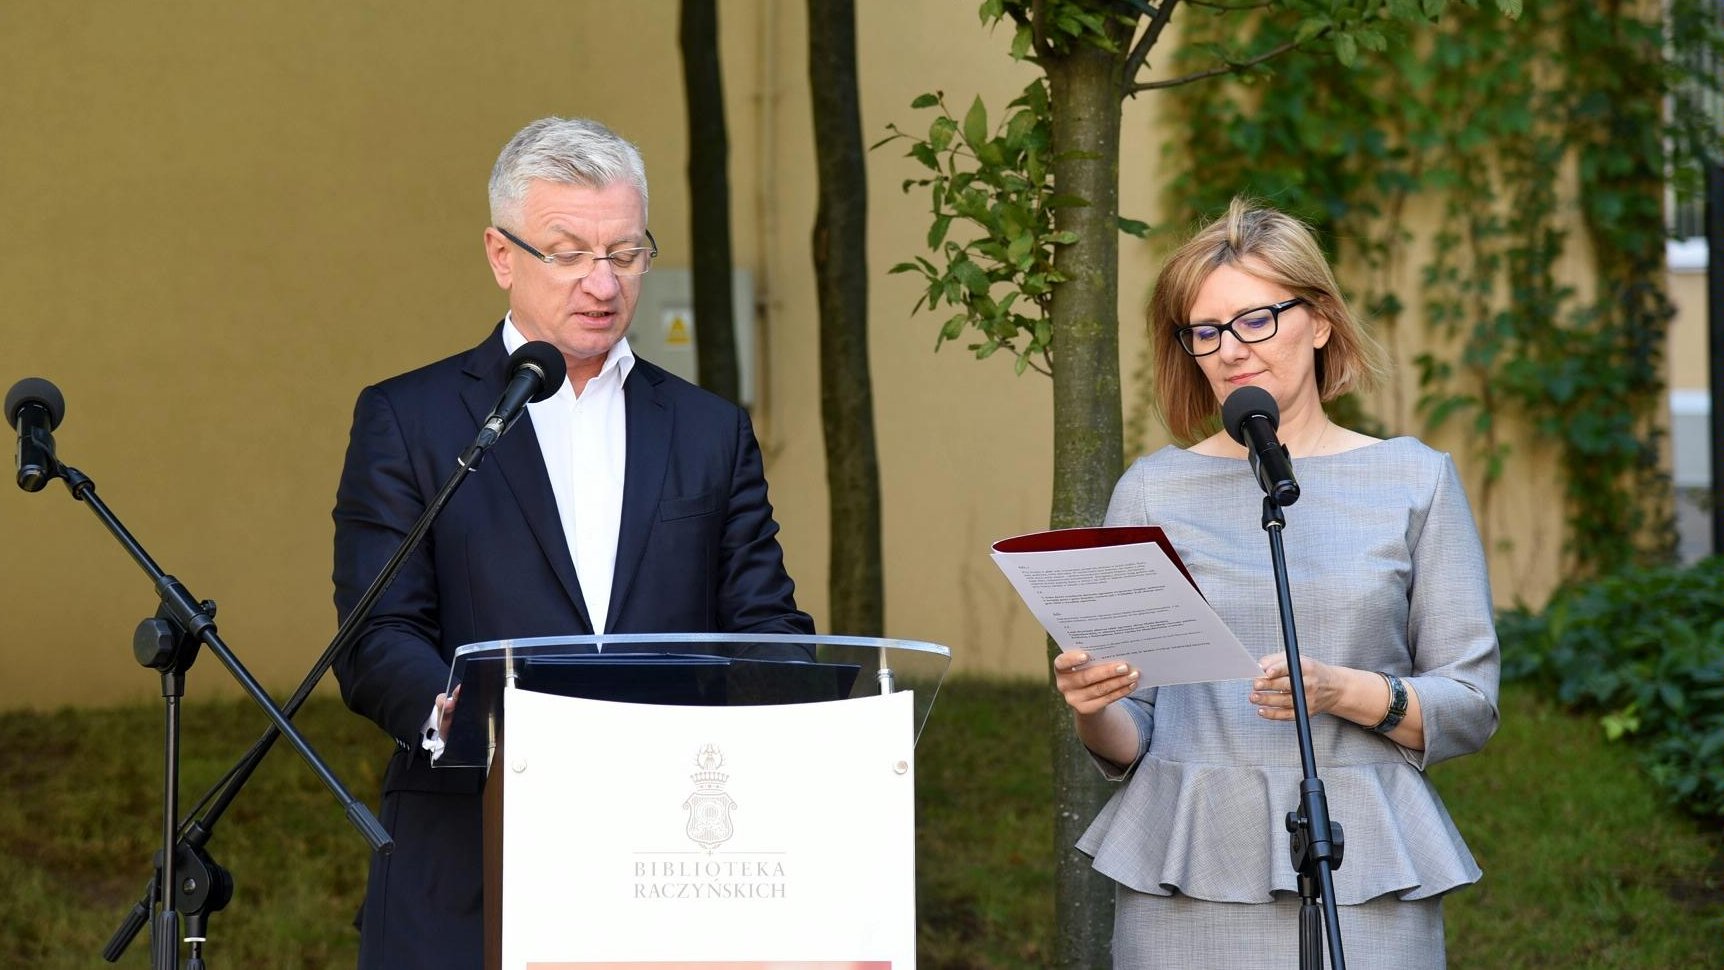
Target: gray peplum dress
<point x="1386" y="573"/>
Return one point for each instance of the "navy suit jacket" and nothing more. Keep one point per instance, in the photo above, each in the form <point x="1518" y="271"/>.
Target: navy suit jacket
<point x="697" y="551"/>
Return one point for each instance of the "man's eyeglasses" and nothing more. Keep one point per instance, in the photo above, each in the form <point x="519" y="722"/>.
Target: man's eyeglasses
<point x="1250" y="327"/>
<point x="576" y="264"/>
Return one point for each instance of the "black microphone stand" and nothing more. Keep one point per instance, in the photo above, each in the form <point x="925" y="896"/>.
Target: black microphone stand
<point x="195" y="831"/>
<point x="168" y="642"/>
<point x="1315" y="841"/>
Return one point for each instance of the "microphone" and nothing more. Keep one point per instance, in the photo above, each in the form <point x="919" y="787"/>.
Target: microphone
<point x="536" y="371"/>
<point x="1251" y="417"/>
<point x="34" y="407"/>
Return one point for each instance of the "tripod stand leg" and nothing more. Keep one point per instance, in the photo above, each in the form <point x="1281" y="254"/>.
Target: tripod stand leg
<point x="165" y="941"/>
<point x="1310" y="924"/>
<point x="172" y="662"/>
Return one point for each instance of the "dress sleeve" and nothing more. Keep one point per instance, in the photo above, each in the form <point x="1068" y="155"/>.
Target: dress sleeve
<point x="1451" y="632"/>
<point x="1129" y="506"/>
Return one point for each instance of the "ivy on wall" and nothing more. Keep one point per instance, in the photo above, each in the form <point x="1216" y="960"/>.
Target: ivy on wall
<point x="1490" y="117"/>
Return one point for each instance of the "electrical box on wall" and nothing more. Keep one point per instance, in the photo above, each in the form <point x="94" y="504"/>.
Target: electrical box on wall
<point x="1691" y="441"/>
<point x="1691" y="450"/>
<point x="665" y="330"/>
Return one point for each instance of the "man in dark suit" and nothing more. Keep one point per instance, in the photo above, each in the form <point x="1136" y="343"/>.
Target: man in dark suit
<point x="628" y="502"/>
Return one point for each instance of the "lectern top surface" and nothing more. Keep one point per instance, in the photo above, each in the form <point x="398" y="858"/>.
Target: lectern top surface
<point x="683" y="669"/>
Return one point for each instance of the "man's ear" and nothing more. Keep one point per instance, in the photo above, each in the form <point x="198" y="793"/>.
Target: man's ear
<point x="497" y="255"/>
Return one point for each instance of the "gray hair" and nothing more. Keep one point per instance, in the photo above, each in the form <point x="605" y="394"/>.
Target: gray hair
<point x="571" y="151"/>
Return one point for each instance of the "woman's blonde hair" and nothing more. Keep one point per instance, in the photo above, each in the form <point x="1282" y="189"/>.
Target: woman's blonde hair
<point x="1281" y="250"/>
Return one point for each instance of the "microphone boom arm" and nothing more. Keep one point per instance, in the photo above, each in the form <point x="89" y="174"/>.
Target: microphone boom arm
<point x="195" y="830"/>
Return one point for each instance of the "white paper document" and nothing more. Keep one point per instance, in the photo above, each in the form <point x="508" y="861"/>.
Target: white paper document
<point x="1121" y="595"/>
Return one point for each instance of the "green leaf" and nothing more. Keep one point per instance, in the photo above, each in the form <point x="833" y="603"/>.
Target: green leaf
<point x="1620" y="723"/>
<point x="1311" y="27"/>
<point x="1021" y="41"/>
<point x="924" y="153"/>
<point x="1347" y="50"/>
<point x="941" y="131"/>
<point x="954" y="328"/>
<point x="976" y="123"/>
<point x="1035" y="97"/>
<point x="1134" y="227"/>
<point x="904" y="268"/>
<point x="925" y="101"/>
<point x="971" y="276"/>
<point x="937" y="231"/>
<point x="1671" y="695"/>
<point x="1510" y="8"/>
<point x="1018" y="129"/>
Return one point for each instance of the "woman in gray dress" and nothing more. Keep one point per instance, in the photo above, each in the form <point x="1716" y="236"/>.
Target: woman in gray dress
<point x="1393" y="606"/>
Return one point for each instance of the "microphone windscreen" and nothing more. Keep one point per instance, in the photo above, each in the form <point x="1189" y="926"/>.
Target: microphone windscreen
<point x="549" y="361"/>
<point x="38" y="391"/>
<point x="1247" y="402"/>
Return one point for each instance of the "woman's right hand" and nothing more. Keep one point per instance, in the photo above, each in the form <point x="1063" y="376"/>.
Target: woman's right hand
<point x="1089" y="690"/>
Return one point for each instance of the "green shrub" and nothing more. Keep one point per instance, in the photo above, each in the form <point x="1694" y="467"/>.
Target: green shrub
<point x="1643" y="650"/>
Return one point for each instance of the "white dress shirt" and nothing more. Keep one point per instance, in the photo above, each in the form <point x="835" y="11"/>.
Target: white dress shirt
<point x="584" y="439"/>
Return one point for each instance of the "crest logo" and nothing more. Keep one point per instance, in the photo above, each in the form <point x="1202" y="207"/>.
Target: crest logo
<point x="709" y="805"/>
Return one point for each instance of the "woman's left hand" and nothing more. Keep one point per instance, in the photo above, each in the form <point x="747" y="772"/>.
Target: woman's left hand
<point x="1273" y="692"/>
<point x="1360" y="696"/>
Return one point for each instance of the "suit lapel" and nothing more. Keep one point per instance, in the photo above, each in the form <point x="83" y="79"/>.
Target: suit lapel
<point x="521" y="464"/>
<point x="650" y="421"/>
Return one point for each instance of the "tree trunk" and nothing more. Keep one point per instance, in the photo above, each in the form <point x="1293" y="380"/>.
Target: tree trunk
<point x="841" y="278"/>
<point x="1084" y="87"/>
<point x="709" y="201"/>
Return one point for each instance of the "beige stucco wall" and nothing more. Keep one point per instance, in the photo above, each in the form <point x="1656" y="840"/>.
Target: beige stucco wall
<point x="223" y="220"/>
<point x="1520" y="513"/>
<point x="1688" y="355"/>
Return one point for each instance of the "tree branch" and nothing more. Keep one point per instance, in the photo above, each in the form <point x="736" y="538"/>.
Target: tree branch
<point x="1231" y="67"/>
<point x="1140" y="50"/>
<point x="1037" y="10"/>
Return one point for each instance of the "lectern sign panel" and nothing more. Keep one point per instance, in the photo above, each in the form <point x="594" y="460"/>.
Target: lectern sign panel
<point x="763" y="837"/>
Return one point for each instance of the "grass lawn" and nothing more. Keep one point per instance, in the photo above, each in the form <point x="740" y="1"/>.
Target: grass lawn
<point x="1584" y="867"/>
